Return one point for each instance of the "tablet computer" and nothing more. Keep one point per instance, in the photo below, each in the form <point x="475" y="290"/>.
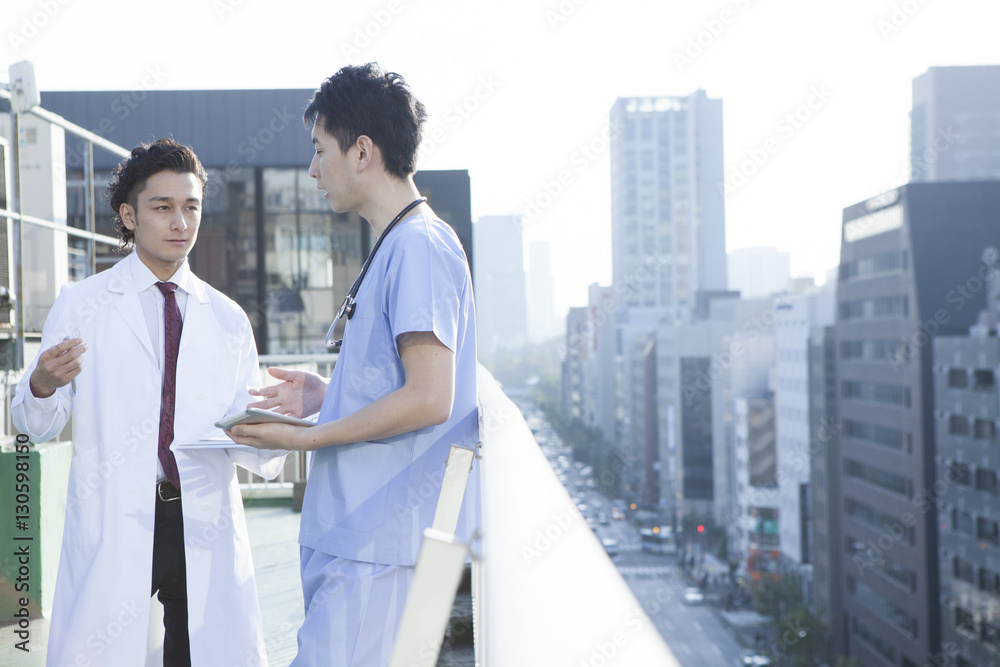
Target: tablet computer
<point x="260" y="416"/>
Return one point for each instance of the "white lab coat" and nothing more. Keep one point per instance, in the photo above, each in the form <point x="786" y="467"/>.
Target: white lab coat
<point x="102" y="598"/>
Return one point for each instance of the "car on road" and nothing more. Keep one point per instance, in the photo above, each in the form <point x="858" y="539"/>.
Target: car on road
<point x="610" y="546"/>
<point x="693" y="596"/>
<point x="754" y="659"/>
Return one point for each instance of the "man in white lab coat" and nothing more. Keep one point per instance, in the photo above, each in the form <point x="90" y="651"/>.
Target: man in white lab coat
<point x="142" y="519"/>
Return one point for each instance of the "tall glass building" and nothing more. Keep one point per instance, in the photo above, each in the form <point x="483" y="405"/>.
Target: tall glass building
<point x="953" y="124"/>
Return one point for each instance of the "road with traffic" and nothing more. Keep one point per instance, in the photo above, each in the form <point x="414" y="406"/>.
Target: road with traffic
<point x="695" y="630"/>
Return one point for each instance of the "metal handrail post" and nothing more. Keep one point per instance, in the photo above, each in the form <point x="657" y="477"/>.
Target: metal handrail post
<point x="90" y="219"/>
<point x="17" y="241"/>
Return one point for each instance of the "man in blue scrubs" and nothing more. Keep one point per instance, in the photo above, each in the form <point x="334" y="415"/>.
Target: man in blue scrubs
<point x="403" y="390"/>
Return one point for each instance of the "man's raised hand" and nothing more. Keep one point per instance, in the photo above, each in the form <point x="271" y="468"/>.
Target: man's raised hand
<point x="57" y="367"/>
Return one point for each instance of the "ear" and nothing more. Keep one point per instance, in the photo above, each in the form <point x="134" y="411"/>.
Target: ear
<point x="128" y="216"/>
<point x="366" y="152"/>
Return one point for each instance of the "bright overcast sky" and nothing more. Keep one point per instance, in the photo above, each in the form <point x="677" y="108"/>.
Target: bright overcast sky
<point x="520" y="90"/>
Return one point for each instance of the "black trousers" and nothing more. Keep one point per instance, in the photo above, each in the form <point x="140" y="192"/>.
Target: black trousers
<point x="170" y="581"/>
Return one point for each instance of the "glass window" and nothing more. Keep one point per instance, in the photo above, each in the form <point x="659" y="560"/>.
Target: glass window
<point x="986" y="480"/>
<point x="958" y="378"/>
<point x="313" y="257"/>
<point x="983" y="380"/>
<point x="984" y="429"/>
<point x="958" y="425"/>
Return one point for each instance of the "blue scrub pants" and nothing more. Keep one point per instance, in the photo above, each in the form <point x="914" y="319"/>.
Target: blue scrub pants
<point x="353" y="610"/>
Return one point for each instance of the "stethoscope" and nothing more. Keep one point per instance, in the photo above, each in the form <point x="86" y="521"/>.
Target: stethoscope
<point x="349" y="306"/>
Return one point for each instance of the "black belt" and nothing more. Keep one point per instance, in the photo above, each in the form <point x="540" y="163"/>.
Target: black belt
<point x="166" y="491"/>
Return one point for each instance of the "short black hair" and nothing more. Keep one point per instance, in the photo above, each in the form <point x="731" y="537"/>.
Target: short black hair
<point x="130" y="176"/>
<point x="364" y="100"/>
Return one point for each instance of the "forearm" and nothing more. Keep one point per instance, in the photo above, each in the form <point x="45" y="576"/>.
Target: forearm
<point x="402" y="411"/>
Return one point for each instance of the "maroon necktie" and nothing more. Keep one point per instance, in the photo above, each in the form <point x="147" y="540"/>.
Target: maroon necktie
<point x="172" y="324"/>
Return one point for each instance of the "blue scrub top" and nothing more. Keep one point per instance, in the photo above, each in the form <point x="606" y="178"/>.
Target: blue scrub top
<point x="371" y="501"/>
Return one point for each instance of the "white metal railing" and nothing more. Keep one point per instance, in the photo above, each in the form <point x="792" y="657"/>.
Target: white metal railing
<point x="17" y="217"/>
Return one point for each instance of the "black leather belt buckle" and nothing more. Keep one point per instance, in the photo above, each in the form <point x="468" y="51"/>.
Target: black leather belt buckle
<point x="166" y="491"/>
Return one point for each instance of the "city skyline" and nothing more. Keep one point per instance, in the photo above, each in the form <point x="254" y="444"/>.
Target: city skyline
<point x="816" y="100"/>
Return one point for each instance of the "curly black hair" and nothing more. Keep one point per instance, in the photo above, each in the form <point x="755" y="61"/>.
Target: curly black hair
<point x="363" y="99"/>
<point x="130" y="176"/>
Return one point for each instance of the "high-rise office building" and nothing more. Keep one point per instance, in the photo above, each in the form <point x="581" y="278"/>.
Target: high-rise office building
<point x="501" y="307"/>
<point x="967" y="411"/>
<point x="702" y="367"/>
<point x="667" y="215"/>
<point x="910" y="270"/>
<point x="953" y="124"/>
<point x="600" y="311"/>
<point x="576" y="365"/>
<point x="827" y="599"/>
<point x="797" y="316"/>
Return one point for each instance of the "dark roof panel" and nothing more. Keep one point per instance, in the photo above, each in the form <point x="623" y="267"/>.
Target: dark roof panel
<point x="225" y="127"/>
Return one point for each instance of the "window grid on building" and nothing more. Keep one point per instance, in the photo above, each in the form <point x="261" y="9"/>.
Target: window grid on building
<point x="876" y="392"/>
<point x="885" y="609"/>
<point x="880" y="477"/>
<point x="876" y="519"/>
<point x="877" y="308"/>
